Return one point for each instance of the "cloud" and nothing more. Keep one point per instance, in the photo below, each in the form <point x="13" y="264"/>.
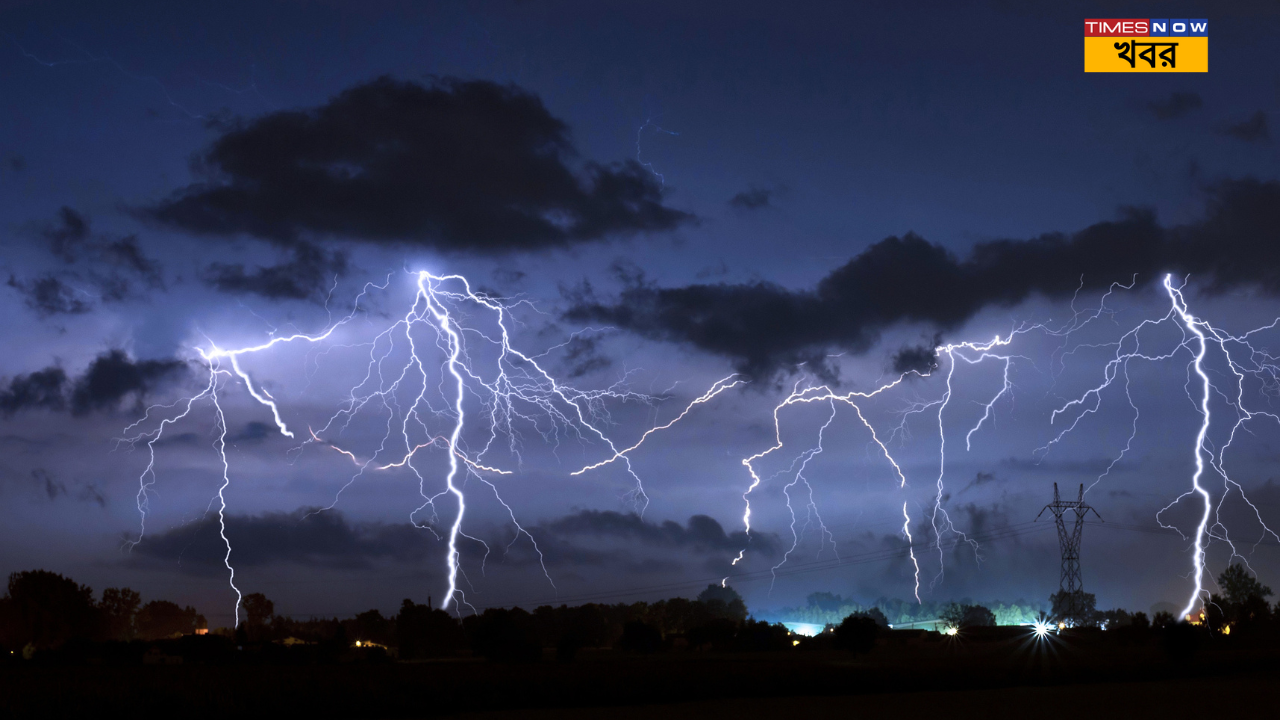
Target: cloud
<point x="49" y="295"/>
<point x="582" y="356"/>
<point x="1176" y="105"/>
<point x="64" y="236"/>
<point x="43" y="389"/>
<point x="306" y="276"/>
<point x="701" y="533"/>
<point x="752" y="198"/>
<point x="126" y="253"/>
<point x="46" y="482"/>
<point x="110" y="378"/>
<point x="113" y="375"/>
<point x="328" y="539"/>
<point x="306" y="536"/>
<point x="764" y="328"/>
<point x="54" y="488"/>
<point x="108" y="269"/>
<point x="1252" y="130"/>
<point x="253" y="432"/>
<point x="982" y="478"/>
<point x="918" y="358"/>
<point x="17" y="163"/>
<point x="464" y="166"/>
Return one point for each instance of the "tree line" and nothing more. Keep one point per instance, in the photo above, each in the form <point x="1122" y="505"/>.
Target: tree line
<point x="44" y="611"/>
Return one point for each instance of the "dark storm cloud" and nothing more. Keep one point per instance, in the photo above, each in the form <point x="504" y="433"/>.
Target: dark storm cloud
<point x="625" y="542"/>
<point x="982" y="520"/>
<point x="917" y="358"/>
<point x="469" y="166"/>
<point x="66" y="235"/>
<point x="751" y="199"/>
<point x="253" y="432"/>
<point x="43" y="389"/>
<point x="982" y="478"/>
<point x="125" y="253"/>
<point x="113" y="375"/>
<point x="48" y="484"/>
<point x="17" y="163"/>
<point x="1176" y="105"/>
<point x="327" y="539"/>
<point x="582" y="356"/>
<point x="702" y="533"/>
<point x="306" y="536"/>
<point x="764" y="328"/>
<point x="96" y="269"/>
<point x="110" y="378"/>
<point x="306" y="276"/>
<point x="54" y="488"/>
<point x="1252" y="130"/>
<point x="48" y="295"/>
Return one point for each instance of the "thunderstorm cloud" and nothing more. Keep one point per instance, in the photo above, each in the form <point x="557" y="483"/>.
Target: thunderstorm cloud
<point x="764" y="328"/>
<point x="108" y="380"/>
<point x="328" y="538"/>
<point x="93" y="269"/>
<point x="310" y="271"/>
<point x="460" y="166"/>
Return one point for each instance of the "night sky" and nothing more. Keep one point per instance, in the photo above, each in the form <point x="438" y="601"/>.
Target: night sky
<point x="664" y="195"/>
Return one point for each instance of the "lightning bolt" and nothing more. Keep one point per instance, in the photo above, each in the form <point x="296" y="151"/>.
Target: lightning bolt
<point x="1198" y="336"/>
<point x="493" y="398"/>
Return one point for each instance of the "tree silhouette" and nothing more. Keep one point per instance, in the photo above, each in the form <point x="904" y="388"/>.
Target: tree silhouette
<point x="424" y="632"/>
<point x="1085" y="605"/>
<point x="119" y="607"/>
<point x="161" y="619"/>
<point x="47" y="609"/>
<point x="857" y="634"/>
<point x="967" y="616"/>
<point x="1243" y="601"/>
<point x="258" y="609"/>
<point x="724" y="601"/>
<point x="503" y="635"/>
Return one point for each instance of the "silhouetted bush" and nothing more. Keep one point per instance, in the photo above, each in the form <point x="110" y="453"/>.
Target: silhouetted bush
<point x="161" y="619"/>
<point x="759" y="636"/>
<point x="967" y="616"/>
<point x="857" y="634"/>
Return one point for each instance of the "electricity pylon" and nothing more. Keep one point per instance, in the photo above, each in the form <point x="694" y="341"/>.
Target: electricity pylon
<point x="1071" y="583"/>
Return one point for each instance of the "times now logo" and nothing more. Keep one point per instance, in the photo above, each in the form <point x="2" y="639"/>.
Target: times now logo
<point x="1145" y="27"/>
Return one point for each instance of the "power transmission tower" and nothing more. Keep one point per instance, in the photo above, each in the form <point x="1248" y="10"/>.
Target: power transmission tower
<point x="1071" y="583"/>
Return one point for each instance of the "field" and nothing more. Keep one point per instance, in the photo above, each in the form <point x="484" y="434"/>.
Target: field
<point x="1001" y="674"/>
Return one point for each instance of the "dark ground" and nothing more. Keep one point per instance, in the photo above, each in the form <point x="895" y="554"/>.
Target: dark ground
<point x="1083" y="676"/>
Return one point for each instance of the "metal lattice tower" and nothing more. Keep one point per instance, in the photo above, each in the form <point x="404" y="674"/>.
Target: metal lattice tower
<point x="1069" y="542"/>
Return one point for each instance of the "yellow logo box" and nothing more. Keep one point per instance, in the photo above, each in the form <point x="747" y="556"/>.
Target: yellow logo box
<point x="1146" y="54"/>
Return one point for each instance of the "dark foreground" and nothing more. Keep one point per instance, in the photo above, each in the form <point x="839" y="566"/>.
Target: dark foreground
<point x="997" y="677"/>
